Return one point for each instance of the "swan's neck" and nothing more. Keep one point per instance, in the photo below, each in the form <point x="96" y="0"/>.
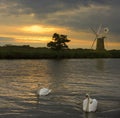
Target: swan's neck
<point x="87" y="107"/>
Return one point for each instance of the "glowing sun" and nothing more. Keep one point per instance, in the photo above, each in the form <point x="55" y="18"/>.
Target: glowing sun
<point x="36" y="29"/>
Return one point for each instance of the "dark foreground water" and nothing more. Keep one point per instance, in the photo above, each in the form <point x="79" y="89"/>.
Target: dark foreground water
<point x="69" y="79"/>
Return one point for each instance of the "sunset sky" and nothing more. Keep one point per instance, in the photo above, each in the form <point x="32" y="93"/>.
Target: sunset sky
<point x="33" y="22"/>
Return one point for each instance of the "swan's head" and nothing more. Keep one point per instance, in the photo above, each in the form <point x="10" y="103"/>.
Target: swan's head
<point x="39" y="84"/>
<point x="87" y="95"/>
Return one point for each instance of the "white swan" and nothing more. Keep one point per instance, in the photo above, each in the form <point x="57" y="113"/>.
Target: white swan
<point x="89" y="104"/>
<point x="43" y="91"/>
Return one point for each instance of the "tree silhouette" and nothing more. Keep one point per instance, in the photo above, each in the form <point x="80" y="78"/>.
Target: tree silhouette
<point x="59" y="42"/>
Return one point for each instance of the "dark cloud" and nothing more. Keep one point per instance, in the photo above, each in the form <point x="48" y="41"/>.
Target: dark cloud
<point x="75" y="14"/>
<point x="45" y="7"/>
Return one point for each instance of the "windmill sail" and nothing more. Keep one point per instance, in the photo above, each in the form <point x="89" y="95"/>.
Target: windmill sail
<point x="99" y="29"/>
<point x="93" y="31"/>
<point x="93" y="42"/>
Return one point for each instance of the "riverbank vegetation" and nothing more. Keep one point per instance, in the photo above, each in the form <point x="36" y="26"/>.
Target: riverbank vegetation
<point x="27" y="52"/>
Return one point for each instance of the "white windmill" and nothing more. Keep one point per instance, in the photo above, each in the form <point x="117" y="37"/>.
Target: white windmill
<point x="100" y="35"/>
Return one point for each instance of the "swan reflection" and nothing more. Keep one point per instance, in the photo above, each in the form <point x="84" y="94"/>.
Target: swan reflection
<point x="89" y="115"/>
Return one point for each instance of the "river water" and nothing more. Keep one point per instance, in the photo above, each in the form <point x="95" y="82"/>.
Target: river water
<point x="69" y="79"/>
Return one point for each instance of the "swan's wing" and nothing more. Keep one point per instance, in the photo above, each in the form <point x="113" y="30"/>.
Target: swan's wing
<point x="85" y="104"/>
<point x="93" y="105"/>
<point x="95" y="102"/>
<point x="44" y="91"/>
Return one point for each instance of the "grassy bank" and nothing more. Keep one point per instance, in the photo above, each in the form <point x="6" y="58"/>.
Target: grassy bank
<point x="27" y="52"/>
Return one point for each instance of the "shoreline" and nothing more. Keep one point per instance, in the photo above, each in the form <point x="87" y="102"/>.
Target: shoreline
<point x="21" y="52"/>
